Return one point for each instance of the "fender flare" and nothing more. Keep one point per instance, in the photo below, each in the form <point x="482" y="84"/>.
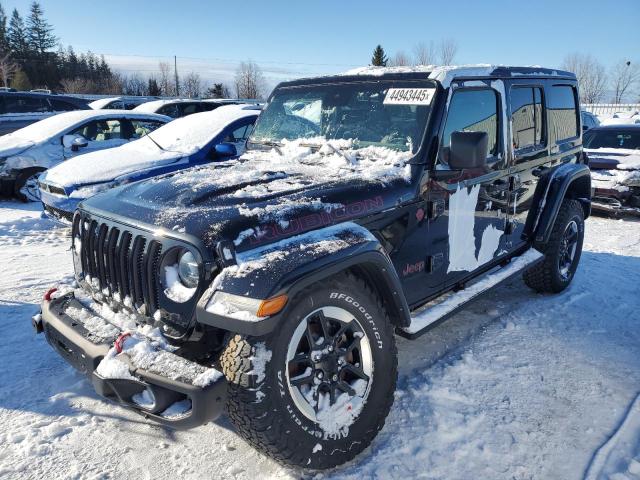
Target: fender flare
<point x="570" y="180"/>
<point x="265" y="273"/>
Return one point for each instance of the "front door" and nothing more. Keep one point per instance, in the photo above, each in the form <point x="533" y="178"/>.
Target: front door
<point x="100" y="134"/>
<point x="469" y="232"/>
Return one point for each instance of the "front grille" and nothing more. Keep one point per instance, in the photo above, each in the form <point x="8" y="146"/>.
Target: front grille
<point x="122" y="264"/>
<point x="57" y="213"/>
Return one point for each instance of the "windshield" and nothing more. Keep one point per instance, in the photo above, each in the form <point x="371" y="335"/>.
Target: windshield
<point x="626" y="139"/>
<point x="387" y="113"/>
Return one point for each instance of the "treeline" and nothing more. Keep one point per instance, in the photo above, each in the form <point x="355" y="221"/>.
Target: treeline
<point x="30" y="57"/>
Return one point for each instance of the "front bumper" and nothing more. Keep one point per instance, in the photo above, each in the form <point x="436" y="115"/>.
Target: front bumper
<point x="84" y="350"/>
<point x="57" y="207"/>
<point x="614" y="203"/>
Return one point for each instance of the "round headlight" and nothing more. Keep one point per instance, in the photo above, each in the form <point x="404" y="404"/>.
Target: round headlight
<point x="188" y="270"/>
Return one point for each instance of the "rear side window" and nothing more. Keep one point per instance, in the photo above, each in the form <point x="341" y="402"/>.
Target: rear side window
<point x="170" y="110"/>
<point x="527" y="117"/>
<point x="563" y="112"/>
<point x="473" y="111"/>
<point x="143" y="127"/>
<point x="61" y="106"/>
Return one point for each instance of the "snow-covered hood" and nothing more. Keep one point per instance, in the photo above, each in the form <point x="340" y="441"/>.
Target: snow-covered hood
<point x="13" y="145"/>
<point x="266" y="196"/>
<point x="613" y="159"/>
<point x="110" y="164"/>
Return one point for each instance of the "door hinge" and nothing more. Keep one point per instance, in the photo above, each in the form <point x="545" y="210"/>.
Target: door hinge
<point x="434" y="262"/>
<point x="436" y="208"/>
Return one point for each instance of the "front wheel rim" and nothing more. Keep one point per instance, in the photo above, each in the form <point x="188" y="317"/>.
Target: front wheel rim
<point x="329" y="365"/>
<point x="568" y="249"/>
<point x="30" y="189"/>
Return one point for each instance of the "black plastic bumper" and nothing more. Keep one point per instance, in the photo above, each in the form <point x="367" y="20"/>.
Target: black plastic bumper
<point x="72" y="341"/>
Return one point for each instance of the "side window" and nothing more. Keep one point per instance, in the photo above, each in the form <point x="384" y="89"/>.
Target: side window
<point x="471" y="111"/>
<point x="563" y="112"/>
<point x="527" y="117"/>
<point x="189" y="108"/>
<point x="239" y="134"/>
<point x="60" y="105"/>
<point x="143" y="127"/>
<point x="100" y="130"/>
<point x="171" y="110"/>
<point x="24" y="104"/>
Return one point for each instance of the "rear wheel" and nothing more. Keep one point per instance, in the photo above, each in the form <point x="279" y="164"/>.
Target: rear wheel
<point x="26" y="186"/>
<point x="561" y="253"/>
<point x="315" y="392"/>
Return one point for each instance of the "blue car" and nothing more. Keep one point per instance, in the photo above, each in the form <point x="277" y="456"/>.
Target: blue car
<point x="200" y="138"/>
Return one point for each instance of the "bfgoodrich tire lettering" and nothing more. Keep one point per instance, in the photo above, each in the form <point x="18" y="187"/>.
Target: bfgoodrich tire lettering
<point x="261" y="404"/>
<point x="561" y="253"/>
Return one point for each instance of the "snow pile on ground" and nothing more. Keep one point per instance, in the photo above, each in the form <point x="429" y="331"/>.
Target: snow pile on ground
<point x="518" y="385"/>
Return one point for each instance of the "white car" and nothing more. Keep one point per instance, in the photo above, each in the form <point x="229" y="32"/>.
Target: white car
<point x="26" y="153"/>
<point x="119" y="103"/>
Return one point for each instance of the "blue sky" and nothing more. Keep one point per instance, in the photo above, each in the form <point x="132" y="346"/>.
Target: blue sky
<point x="290" y="39"/>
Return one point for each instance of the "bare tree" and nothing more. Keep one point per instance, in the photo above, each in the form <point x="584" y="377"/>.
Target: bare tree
<point x="592" y="78"/>
<point x="448" y="50"/>
<point x="8" y="69"/>
<point x="134" y="85"/>
<point x="400" y="59"/>
<point x="192" y="85"/>
<point x="624" y="75"/>
<point x="424" y="54"/>
<point x="78" y="85"/>
<point x="249" y="81"/>
<point x="166" y="80"/>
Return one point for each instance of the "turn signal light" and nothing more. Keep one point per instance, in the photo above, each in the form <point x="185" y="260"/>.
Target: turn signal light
<point x="271" y="306"/>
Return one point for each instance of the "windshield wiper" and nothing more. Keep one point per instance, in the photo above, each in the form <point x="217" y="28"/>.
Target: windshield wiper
<point x="268" y="143"/>
<point x="157" y="144"/>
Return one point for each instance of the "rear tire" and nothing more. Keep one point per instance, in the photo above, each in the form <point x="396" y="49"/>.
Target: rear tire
<point x="26" y="187"/>
<point x="561" y="253"/>
<point x="279" y="382"/>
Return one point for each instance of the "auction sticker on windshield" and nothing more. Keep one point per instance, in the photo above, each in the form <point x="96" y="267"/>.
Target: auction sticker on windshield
<point x="409" y="96"/>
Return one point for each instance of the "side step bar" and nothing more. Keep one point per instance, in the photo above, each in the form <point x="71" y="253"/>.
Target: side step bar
<point x="438" y="310"/>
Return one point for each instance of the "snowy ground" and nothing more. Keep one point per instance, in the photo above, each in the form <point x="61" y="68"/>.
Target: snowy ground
<point x="518" y="386"/>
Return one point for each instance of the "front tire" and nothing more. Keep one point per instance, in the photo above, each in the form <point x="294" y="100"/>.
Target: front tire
<point x="316" y="391"/>
<point x="561" y="253"/>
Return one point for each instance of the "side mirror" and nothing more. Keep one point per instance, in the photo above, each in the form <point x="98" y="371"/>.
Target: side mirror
<point x="468" y="150"/>
<point x="74" y="142"/>
<point x="225" y="150"/>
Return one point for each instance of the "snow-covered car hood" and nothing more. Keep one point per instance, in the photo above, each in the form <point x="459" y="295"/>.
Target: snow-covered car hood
<point x="13" y="145"/>
<point x="265" y="196"/>
<point x="110" y="164"/>
<point x="613" y="159"/>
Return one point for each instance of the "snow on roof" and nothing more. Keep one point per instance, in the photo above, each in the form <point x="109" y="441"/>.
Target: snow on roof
<point x="191" y="133"/>
<point x="155" y="105"/>
<point x="51" y="126"/>
<point x="101" y="103"/>
<point x="445" y="74"/>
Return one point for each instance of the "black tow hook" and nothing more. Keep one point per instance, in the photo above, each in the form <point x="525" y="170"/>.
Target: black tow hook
<point x="36" y="323"/>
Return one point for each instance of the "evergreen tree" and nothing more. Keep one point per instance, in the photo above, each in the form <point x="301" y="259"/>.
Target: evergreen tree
<point x="153" y="88"/>
<point x="379" y="59"/>
<point x="39" y="33"/>
<point x="17" y="37"/>
<point x="4" y="43"/>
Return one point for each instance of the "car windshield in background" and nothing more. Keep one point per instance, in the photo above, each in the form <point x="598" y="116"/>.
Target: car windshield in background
<point x="626" y="139"/>
<point x="390" y="114"/>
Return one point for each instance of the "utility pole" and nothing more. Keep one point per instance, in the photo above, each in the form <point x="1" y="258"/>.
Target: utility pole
<point x="175" y="69"/>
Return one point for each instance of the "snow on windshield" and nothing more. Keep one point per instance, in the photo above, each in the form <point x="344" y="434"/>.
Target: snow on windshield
<point x="189" y="134"/>
<point x="389" y="114"/>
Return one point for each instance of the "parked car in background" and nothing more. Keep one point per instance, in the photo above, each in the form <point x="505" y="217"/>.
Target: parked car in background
<point x="186" y="142"/>
<point x="26" y="153"/>
<point x="176" y="108"/>
<point x="19" y="109"/>
<point x="589" y="120"/>
<point x="614" y="159"/>
<point x="119" y="103"/>
<point x="623" y="118"/>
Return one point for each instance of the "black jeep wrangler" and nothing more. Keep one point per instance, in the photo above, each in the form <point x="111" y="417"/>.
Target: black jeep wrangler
<point x="369" y="204"/>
